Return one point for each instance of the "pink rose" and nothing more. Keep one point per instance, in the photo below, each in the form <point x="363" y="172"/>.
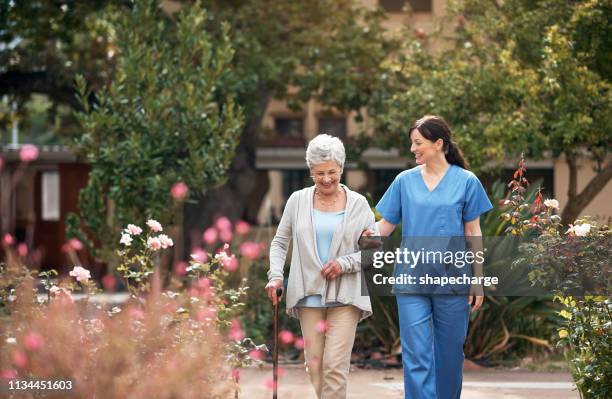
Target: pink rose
<point x="22" y="250"/>
<point x="250" y="250"/>
<point x="179" y="191"/>
<point x="28" y="153"/>
<point x="210" y="236"/>
<point x="154" y="243"/>
<point x="33" y="341"/>
<point x="180" y="268"/>
<point x="299" y="344"/>
<point x="229" y="263"/>
<point x="154" y="225"/>
<point x="165" y="241"/>
<point x="223" y="223"/>
<point x="133" y="229"/>
<point x="20" y="359"/>
<point x="286" y="337"/>
<point x="226" y="235"/>
<point x="242" y="227"/>
<point x="199" y="255"/>
<point x="8" y="240"/>
<point x="109" y="282"/>
<point x="322" y="326"/>
<point x="80" y="273"/>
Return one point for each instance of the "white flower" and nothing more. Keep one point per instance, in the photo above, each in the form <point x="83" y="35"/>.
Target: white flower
<point x="154" y="225"/>
<point x="467" y="45"/>
<point x="11" y="340"/>
<point x="582" y="229"/>
<point x="80" y="273"/>
<point x="165" y="241"/>
<point x="126" y="240"/>
<point x="551" y="203"/>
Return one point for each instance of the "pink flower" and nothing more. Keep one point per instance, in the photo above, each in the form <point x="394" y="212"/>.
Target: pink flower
<point x="180" y="268"/>
<point x="33" y="341"/>
<point x="286" y="337"/>
<point x="61" y="293"/>
<point x="109" y="282"/>
<point x="226" y="235"/>
<point x="154" y="225"/>
<point x="299" y="344"/>
<point x="250" y="250"/>
<point x="80" y="273"/>
<point x="72" y="245"/>
<point x="210" y="236"/>
<point x="165" y="241"/>
<point x="203" y="283"/>
<point x="322" y="326"/>
<point x="229" y="263"/>
<point x="179" y="191"/>
<point x="20" y="359"/>
<point x="269" y="383"/>
<point x="199" y="255"/>
<point x="136" y="313"/>
<point x="206" y="314"/>
<point x="256" y="354"/>
<point x="236" y="375"/>
<point x="8" y="240"/>
<point x="22" y="250"/>
<point x="154" y="243"/>
<point x="242" y="227"/>
<point x="236" y="332"/>
<point x="223" y="223"/>
<point x="28" y="153"/>
<point x="8" y="374"/>
<point x="133" y="229"/>
<point x="126" y="239"/>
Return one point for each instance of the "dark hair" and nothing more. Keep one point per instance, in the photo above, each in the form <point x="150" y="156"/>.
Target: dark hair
<point x="434" y="127"/>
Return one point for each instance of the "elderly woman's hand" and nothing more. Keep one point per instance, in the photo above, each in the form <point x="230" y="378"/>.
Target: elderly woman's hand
<point x="271" y="290"/>
<point x="331" y="270"/>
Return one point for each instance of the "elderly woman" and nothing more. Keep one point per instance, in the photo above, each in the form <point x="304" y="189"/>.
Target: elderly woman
<point x="324" y="222"/>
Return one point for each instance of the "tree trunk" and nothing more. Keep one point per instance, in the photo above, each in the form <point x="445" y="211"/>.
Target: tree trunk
<point x="577" y="202"/>
<point x="238" y="192"/>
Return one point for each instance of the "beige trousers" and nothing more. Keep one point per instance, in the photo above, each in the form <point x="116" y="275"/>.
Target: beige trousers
<point x="329" y="334"/>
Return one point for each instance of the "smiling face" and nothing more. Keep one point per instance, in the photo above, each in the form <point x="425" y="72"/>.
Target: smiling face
<point x="423" y="149"/>
<point x="326" y="176"/>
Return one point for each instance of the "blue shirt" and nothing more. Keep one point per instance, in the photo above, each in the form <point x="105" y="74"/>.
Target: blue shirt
<point x="439" y="214"/>
<point x="325" y="223"/>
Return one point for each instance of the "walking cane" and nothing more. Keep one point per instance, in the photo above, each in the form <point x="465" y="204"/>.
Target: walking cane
<point x="279" y="294"/>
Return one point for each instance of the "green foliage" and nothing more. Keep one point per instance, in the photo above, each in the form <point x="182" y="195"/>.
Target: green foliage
<point x="162" y="119"/>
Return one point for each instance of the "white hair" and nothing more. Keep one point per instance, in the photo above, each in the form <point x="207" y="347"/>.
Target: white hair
<point x="325" y="148"/>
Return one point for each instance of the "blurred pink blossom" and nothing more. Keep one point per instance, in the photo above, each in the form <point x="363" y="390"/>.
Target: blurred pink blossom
<point x="33" y="341"/>
<point x="22" y="249"/>
<point x="180" y="268"/>
<point x="109" y="282"/>
<point x="286" y="337"/>
<point x="206" y="314"/>
<point x="72" y="245"/>
<point x="242" y="227"/>
<point x="154" y="225"/>
<point x="269" y="383"/>
<point x="136" y="313"/>
<point x="80" y="273"/>
<point x="236" y="375"/>
<point x="199" y="255"/>
<point x="61" y="293"/>
<point x="223" y="223"/>
<point x="154" y="243"/>
<point x="226" y="235"/>
<point x="179" y="191"/>
<point x="250" y="250"/>
<point x="28" y="153"/>
<point x="229" y="263"/>
<point x="256" y="354"/>
<point x="8" y="240"/>
<point x="20" y="359"/>
<point x="8" y="374"/>
<point x="322" y="326"/>
<point x="299" y="343"/>
<point x="210" y="236"/>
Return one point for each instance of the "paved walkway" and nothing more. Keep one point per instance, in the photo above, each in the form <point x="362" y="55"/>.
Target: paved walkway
<point x="375" y="384"/>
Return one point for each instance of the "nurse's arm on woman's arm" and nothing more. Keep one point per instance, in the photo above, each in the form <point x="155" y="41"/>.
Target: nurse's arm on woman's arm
<point x="385" y="228"/>
<point x="472" y="230"/>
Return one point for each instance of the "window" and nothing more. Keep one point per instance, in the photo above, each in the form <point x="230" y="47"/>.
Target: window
<point x="335" y="126"/>
<point x="50" y="196"/>
<point x="398" y="5"/>
<point x="289" y="127"/>
<point x="295" y="179"/>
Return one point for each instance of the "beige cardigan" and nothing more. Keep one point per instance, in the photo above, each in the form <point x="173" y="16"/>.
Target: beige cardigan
<point x="305" y="270"/>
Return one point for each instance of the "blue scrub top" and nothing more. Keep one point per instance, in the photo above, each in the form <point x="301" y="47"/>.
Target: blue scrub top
<point x="430" y="219"/>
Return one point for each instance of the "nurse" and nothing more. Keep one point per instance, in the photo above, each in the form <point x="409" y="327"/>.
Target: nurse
<point x="439" y="199"/>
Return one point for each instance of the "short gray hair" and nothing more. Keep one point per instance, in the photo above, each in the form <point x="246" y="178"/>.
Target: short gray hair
<point x="325" y="148"/>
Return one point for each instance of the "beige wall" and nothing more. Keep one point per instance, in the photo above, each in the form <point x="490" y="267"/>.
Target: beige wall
<point x="601" y="206"/>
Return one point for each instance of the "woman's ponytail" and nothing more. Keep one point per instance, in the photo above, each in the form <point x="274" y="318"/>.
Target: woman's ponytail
<point x="454" y="155"/>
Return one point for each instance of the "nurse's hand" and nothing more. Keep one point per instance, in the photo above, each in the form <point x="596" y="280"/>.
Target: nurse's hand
<point x="476" y="297"/>
<point x="331" y="270"/>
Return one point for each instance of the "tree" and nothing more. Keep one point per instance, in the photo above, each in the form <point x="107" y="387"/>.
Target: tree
<point x="520" y="76"/>
<point x="162" y="119"/>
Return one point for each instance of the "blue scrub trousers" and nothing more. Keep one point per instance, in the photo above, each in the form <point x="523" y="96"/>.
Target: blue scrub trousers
<point x="433" y="329"/>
